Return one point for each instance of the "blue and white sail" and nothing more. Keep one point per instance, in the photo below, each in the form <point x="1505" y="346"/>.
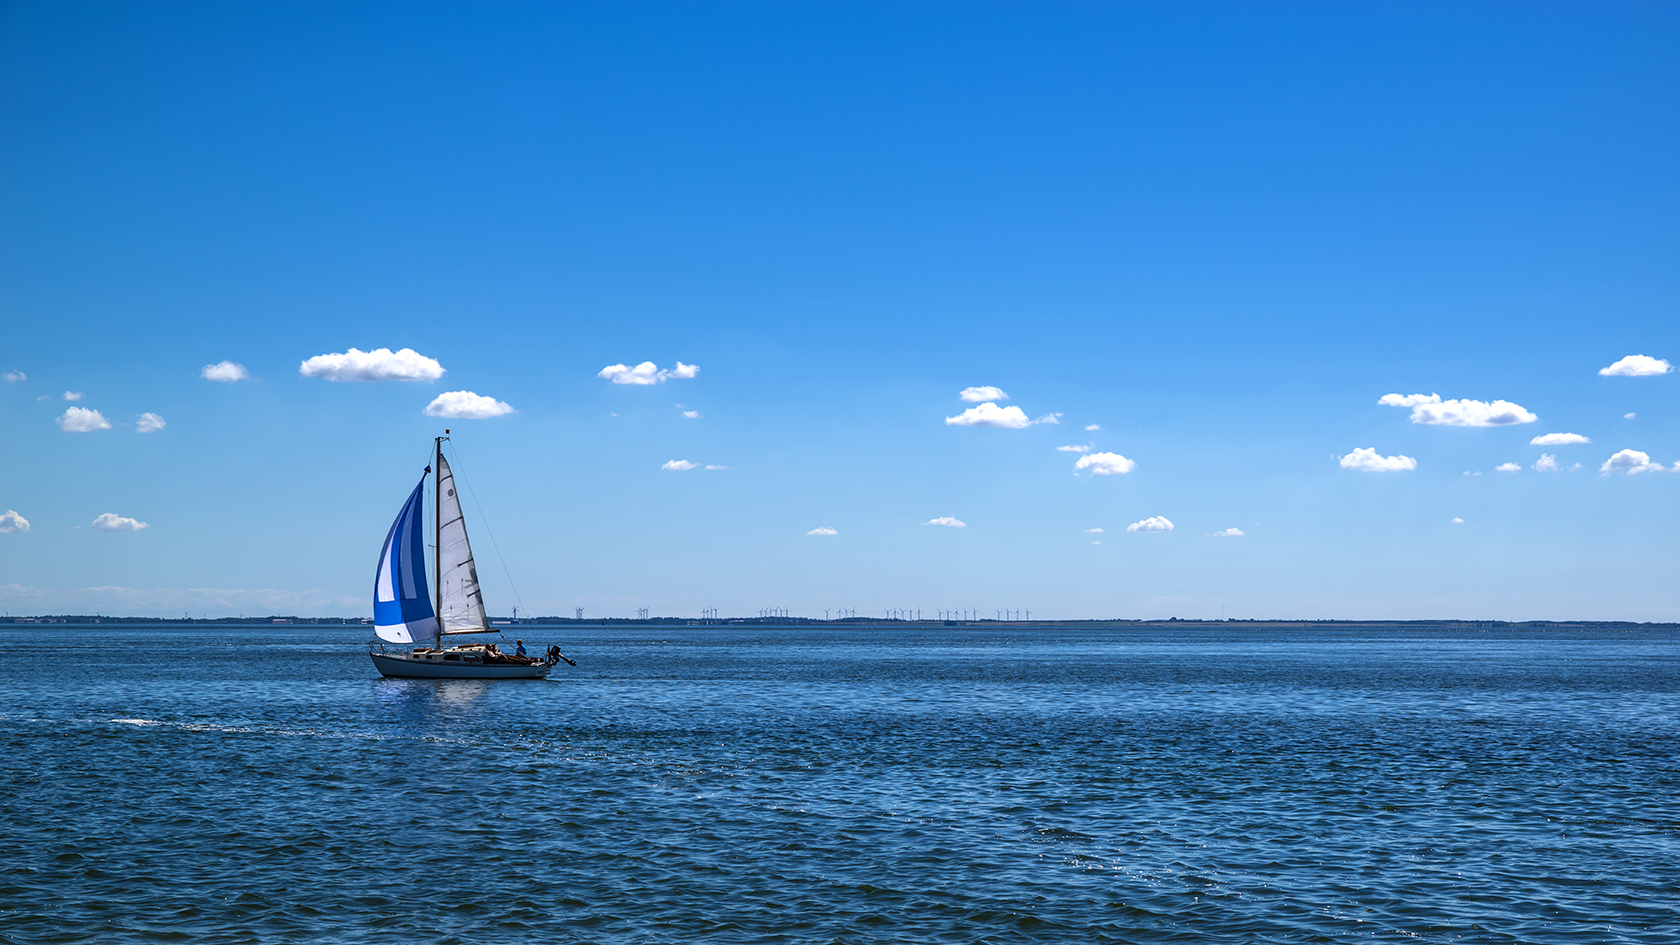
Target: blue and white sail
<point x="402" y="603"/>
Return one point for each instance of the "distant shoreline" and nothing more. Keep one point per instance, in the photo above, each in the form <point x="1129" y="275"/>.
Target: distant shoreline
<point x="1172" y="623"/>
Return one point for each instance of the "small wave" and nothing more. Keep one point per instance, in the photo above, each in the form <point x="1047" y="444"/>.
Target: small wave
<point x="256" y="730"/>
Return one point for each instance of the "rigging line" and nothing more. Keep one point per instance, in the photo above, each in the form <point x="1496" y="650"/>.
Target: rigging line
<point x="486" y="520"/>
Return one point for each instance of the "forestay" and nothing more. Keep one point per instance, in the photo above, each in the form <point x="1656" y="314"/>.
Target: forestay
<point x="402" y="603"/>
<point x="462" y="605"/>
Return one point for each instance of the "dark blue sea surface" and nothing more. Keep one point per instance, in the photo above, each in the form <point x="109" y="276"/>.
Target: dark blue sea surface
<point x="797" y="784"/>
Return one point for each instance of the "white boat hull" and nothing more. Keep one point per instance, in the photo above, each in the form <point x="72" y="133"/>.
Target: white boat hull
<point x="410" y="667"/>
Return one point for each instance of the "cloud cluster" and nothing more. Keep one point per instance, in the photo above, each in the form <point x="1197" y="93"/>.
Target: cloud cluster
<point x="73" y="395"/>
<point x="822" y="530"/>
<point x="12" y="377"/>
<point x="1630" y="462"/>
<point x="1558" y="439"/>
<point x="1105" y="464"/>
<point x="466" y="405"/>
<point x="679" y="465"/>
<point x="112" y="522"/>
<point x="1507" y="467"/>
<point x="947" y="521"/>
<point x="149" y="423"/>
<point x="380" y="364"/>
<point x="82" y="420"/>
<point x="1636" y="365"/>
<point x="227" y="371"/>
<point x="1546" y="463"/>
<point x="1154" y="523"/>
<point x="647" y="373"/>
<point x="1367" y="459"/>
<point x="1431" y="409"/>
<point x="13" y="522"/>
<point x="1074" y="449"/>
<point x="991" y="415"/>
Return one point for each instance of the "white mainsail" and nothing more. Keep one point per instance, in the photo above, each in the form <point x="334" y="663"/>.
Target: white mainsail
<point x="462" y="609"/>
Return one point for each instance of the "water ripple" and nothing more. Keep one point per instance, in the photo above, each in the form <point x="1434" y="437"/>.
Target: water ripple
<point x="797" y="785"/>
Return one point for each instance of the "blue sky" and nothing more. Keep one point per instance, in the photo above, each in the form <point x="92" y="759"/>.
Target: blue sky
<point x="1219" y="232"/>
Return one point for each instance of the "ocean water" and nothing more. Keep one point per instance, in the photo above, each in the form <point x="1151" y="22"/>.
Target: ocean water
<point x="750" y="784"/>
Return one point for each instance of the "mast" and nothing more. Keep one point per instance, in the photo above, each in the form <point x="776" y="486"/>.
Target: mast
<point x="437" y="540"/>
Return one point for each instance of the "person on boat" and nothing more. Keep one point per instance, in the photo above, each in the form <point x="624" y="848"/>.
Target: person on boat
<point x="491" y="654"/>
<point x="519" y="648"/>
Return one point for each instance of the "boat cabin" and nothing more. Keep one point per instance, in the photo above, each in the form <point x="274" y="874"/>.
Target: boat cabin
<point x="466" y="653"/>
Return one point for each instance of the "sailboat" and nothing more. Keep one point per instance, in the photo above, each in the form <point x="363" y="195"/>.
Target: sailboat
<point x="403" y="608"/>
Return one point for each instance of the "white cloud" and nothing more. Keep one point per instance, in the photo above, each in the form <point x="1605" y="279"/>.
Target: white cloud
<point x="1093" y="426"/>
<point x="466" y="405"/>
<point x="647" y="373"/>
<point x="976" y="394"/>
<point x="822" y="530"/>
<point x="1408" y="400"/>
<point x="1367" y="459"/>
<point x="1074" y="449"/>
<point x="1093" y="531"/>
<point x="112" y="522"/>
<point x="1232" y="532"/>
<point x="73" y="395"/>
<point x="1631" y="462"/>
<point x="227" y="372"/>
<point x="1105" y="464"/>
<point x="692" y="414"/>
<point x="1053" y="418"/>
<point x="82" y="420"/>
<point x="1096" y="542"/>
<point x="12" y="377"/>
<point x="1637" y="365"/>
<point x="13" y="522"/>
<point x="1432" y="410"/>
<point x="717" y="467"/>
<point x="149" y="423"/>
<point x="1154" y="523"/>
<point x="380" y="364"/>
<point x="1558" y="439"/>
<point x="679" y="465"/>
<point x="946" y="520"/>
<point x="991" y="415"/>
<point x="1507" y="467"/>
<point x="1629" y="416"/>
<point x="1546" y="463"/>
<point x="1458" y="521"/>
